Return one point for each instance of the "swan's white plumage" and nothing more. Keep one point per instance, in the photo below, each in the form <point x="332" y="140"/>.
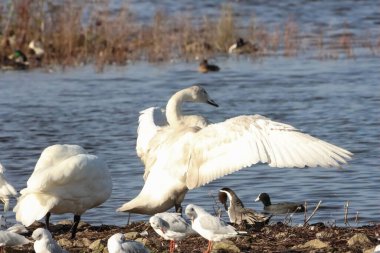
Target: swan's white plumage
<point x="239" y="142"/>
<point x="153" y="119"/>
<point x="66" y="180"/>
<point x="6" y="189"/>
<point x="150" y="121"/>
<point x="184" y="156"/>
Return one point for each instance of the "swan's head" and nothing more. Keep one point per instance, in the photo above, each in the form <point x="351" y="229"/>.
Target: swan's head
<point x="41" y="233"/>
<point x="200" y="95"/>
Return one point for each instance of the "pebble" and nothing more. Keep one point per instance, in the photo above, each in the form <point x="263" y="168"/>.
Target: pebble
<point x="358" y="239"/>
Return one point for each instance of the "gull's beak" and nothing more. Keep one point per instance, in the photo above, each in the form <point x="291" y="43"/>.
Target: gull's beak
<point x="212" y="102"/>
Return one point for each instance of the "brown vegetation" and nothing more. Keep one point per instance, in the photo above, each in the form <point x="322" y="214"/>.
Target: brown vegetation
<point x="76" y="33"/>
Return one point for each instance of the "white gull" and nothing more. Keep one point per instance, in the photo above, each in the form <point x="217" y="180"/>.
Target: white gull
<point x="117" y="244"/>
<point x="170" y="226"/>
<point x="44" y="242"/>
<point x="208" y="226"/>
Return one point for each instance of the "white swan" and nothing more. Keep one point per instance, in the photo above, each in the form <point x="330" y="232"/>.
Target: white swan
<point x="182" y="157"/>
<point x="44" y="242"/>
<point x="65" y="180"/>
<point x="6" y="189"/>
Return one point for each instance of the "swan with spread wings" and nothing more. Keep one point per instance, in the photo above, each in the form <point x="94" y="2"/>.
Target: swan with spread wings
<point x="180" y="155"/>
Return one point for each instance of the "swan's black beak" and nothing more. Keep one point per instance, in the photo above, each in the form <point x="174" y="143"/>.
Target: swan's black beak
<point x="212" y="102"/>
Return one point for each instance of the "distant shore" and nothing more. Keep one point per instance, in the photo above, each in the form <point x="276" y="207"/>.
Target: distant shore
<point x="271" y="238"/>
<point x="109" y="38"/>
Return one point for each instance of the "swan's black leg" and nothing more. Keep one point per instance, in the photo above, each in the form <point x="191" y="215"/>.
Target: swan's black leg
<point x="75" y="226"/>
<point x="47" y="218"/>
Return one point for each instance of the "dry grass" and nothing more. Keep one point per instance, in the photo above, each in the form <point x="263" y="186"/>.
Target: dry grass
<point x="78" y="33"/>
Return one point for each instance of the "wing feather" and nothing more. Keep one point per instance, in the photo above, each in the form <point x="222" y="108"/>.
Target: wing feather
<point x="223" y="148"/>
<point x="150" y="121"/>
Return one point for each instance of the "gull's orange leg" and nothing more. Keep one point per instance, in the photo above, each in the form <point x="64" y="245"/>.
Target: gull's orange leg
<point x="209" y="247"/>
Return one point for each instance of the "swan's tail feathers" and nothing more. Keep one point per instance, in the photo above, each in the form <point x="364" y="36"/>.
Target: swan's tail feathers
<point x="33" y="206"/>
<point x="131" y="206"/>
<point x="141" y="205"/>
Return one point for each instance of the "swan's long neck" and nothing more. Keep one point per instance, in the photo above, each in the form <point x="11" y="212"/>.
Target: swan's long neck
<point x="173" y="108"/>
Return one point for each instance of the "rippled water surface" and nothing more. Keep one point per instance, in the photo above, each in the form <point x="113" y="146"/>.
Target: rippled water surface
<point x="336" y="100"/>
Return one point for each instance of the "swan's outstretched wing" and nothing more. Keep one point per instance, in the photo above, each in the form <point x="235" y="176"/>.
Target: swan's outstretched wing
<point x="150" y="120"/>
<point x="239" y="142"/>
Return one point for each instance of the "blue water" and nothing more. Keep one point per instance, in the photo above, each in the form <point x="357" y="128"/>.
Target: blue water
<point x="336" y="100"/>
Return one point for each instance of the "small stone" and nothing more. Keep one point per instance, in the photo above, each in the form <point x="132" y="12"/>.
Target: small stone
<point x="142" y="240"/>
<point x="266" y="230"/>
<point x="97" y="246"/>
<point x="281" y="235"/>
<point x="370" y="250"/>
<point x="78" y="243"/>
<point x="314" y="244"/>
<point x="86" y="242"/>
<point x="358" y="239"/>
<point x="65" y="243"/>
<point x="131" y="235"/>
<point x="65" y="222"/>
<point x="225" y="245"/>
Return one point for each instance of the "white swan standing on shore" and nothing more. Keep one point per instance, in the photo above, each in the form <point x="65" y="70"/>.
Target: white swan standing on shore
<point x="66" y="179"/>
<point x="182" y="157"/>
<point x="6" y="189"/>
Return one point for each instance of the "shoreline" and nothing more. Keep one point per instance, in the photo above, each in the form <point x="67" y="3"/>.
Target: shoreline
<point x="271" y="238"/>
<point x="61" y="38"/>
